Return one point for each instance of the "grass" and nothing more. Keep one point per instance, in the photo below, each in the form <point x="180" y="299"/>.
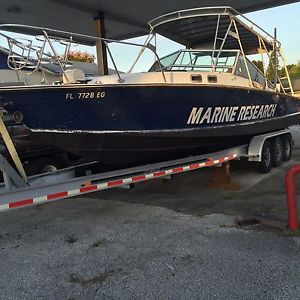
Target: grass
<point x="291" y="233"/>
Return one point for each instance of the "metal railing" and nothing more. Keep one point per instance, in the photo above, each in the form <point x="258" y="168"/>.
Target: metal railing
<point x="48" y="36"/>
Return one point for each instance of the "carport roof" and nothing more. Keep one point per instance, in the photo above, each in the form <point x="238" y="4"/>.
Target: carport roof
<point x="197" y="28"/>
<point x="123" y="19"/>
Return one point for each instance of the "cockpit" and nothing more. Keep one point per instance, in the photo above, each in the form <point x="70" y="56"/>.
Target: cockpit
<point x="228" y="61"/>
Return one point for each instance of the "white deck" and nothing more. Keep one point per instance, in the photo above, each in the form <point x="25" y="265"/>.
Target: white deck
<point x="226" y="79"/>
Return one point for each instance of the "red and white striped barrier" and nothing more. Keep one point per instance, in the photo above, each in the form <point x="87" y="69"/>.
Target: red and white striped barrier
<point x="88" y="187"/>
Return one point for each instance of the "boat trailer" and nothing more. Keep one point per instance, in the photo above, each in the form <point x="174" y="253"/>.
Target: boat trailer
<point x="19" y="191"/>
<point x="79" y="180"/>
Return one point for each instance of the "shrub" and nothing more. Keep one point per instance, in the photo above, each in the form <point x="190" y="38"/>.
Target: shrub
<point x="81" y="56"/>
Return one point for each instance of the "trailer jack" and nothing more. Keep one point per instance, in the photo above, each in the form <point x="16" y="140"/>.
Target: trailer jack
<point x="222" y="180"/>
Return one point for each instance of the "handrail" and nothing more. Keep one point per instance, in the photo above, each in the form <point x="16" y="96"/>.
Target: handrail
<point x="55" y="54"/>
<point x="208" y="50"/>
<point x="61" y="34"/>
<point x="21" y="61"/>
<point x="200" y="66"/>
<point x="113" y="61"/>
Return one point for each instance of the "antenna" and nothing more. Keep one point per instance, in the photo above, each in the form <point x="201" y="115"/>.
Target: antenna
<point x="275" y="56"/>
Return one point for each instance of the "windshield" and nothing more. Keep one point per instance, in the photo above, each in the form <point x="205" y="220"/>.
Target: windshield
<point x="197" y="60"/>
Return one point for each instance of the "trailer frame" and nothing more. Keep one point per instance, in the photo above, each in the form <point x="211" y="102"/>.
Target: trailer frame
<point x="20" y="191"/>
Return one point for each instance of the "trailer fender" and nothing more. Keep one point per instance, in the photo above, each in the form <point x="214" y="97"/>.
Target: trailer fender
<point x="257" y="143"/>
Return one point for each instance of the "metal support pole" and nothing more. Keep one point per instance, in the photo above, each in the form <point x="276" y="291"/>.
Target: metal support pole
<point x="7" y="181"/>
<point x="215" y="44"/>
<point x="12" y="150"/>
<point x="99" y="27"/>
<point x="275" y="57"/>
<point x="272" y="63"/>
<point x="288" y="77"/>
<point x="291" y="197"/>
<point x="10" y="175"/>
<point x="242" y="51"/>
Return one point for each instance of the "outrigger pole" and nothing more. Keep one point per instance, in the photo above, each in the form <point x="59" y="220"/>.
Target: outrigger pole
<point x="275" y="57"/>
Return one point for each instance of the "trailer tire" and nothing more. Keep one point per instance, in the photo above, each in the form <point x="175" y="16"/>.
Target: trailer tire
<point x="287" y="142"/>
<point x="43" y="165"/>
<point x="277" y="151"/>
<point x="265" y="165"/>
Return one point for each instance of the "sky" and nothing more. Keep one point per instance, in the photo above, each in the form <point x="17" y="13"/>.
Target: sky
<point x="286" y="19"/>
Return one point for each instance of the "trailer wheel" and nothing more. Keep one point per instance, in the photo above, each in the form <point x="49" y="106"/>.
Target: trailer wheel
<point x="287" y="142"/>
<point x="43" y="165"/>
<point x="50" y="167"/>
<point x="265" y="165"/>
<point x="277" y="151"/>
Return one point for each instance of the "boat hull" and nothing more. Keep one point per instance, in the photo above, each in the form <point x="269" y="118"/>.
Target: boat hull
<point x="145" y="123"/>
<point x="146" y="147"/>
<point x="128" y="150"/>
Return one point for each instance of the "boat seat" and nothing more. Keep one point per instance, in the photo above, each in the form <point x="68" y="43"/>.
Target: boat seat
<point x="73" y="76"/>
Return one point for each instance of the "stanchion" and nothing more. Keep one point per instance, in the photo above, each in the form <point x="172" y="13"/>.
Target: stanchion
<point x="291" y="199"/>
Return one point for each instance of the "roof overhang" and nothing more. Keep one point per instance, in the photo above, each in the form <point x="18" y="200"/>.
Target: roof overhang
<point x="221" y="26"/>
<point x="123" y="19"/>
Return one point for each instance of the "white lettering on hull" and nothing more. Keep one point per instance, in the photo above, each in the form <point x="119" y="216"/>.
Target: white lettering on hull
<point x="228" y="114"/>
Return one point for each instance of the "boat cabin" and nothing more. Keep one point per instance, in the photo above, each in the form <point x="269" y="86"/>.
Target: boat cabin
<point x="202" y="61"/>
<point x="218" y="48"/>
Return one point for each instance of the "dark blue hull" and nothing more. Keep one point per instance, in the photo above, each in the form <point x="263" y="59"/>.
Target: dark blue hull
<point x="150" y="122"/>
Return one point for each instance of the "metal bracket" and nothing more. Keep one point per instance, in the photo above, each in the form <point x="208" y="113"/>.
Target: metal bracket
<point x="11" y="149"/>
<point x="10" y="175"/>
<point x="257" y="142"/>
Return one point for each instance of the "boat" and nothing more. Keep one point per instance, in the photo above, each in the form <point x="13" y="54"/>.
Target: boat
<point x="208" y="96"/>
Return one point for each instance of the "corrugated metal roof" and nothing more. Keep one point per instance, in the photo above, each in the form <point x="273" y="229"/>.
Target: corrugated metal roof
<point x="196" y="28"/>
<point x="124" y="19"/>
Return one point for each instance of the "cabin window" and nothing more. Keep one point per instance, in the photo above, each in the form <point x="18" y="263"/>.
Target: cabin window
<point x="164" y="62"/>
<point x="255" y="74"/>
<point x="212" y="79"/>
<point x="196" y="77"/>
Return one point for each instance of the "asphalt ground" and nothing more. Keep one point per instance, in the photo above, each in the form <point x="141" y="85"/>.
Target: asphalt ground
<point x="162" y="240"/>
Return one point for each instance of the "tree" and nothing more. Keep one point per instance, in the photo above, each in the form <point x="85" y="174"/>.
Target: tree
<point x="295" y="71"/>
<point x="259" y="64"/>
<point x="282" y="71"/>
<point x="271" y="68"/>
<point x="81" y="56"/>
